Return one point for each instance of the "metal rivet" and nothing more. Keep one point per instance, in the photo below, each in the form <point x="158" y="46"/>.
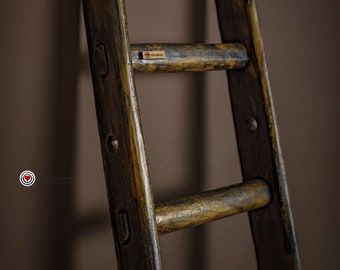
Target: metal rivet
<point x="100" y="59"/>
<point x="112" y="144"/>
<point x="251" y="124"/>
<point x="123" y="228"/>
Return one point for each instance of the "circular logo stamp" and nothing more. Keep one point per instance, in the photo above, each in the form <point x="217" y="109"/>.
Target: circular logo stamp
<point x="27" y="178"/>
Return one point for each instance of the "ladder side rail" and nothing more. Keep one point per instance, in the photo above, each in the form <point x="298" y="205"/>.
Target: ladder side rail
<point x="257" y="138"/>
<point x="127" y="180"/>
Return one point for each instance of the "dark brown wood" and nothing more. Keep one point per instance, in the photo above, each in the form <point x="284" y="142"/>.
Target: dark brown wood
<point x="130" y="198"/>
<point x="187" y="57"/>
<point x="205" y="207"/>
<point x="127" y="181"/>
<point x="258" y="144"/>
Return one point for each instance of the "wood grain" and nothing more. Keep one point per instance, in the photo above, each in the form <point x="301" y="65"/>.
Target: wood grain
<point x="205" y="207"/>
<point x="188" y="57"/>
<point x="128" y="187"/>
<point x="258" y="144"/>
<point x="127" y="180"/>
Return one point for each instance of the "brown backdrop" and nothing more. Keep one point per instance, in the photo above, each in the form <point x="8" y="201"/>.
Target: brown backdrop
<point x="48" y="125"/>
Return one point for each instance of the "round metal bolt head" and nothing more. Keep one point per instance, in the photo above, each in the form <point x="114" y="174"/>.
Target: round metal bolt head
<point x="112" y="144"/>
<point x="251" y="124"/>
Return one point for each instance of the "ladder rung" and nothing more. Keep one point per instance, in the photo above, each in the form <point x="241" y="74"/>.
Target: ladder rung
<point x="187" y="57"/>
<point x="205" y="207"/>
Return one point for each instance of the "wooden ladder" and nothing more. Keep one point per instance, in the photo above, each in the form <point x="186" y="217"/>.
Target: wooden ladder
<point x="136" y="221"/>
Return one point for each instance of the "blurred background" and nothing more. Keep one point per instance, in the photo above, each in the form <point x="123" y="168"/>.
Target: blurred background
<point x="48" y="126"/>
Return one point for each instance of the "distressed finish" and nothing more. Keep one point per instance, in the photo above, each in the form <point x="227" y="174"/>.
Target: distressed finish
<point x="188" y="57"/>
<point x="202" y="208"/>
<point x="130" y="199"/>
<point x="257" y="137"/>
<point x="127" y="181"/>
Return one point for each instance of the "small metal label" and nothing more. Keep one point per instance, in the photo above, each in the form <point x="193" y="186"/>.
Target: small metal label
<point x="153" y="55"/>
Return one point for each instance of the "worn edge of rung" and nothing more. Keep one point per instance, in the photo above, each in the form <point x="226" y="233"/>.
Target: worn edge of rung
<point x="208" y="206"/>
<point x="170" y="57"/>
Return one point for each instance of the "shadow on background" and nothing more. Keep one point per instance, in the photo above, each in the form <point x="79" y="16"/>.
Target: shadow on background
<point x="38" y="103"/>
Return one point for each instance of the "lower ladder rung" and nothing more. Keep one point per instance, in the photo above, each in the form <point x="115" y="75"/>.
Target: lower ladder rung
<point x="205" y="207"/>
<point x="187" y="57"/>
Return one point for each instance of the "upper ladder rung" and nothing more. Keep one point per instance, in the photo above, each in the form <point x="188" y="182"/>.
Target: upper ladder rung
<point x="205" y="207"/>
<point x="187" y="57"/>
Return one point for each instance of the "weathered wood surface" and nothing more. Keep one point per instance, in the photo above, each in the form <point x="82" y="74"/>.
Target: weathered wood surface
<point x="202" y="208"/>
<point x="127" y="181"/>
<point x="257" y="138"/>
<point x="130" y="198"/>
<point x="187" y="57"/>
